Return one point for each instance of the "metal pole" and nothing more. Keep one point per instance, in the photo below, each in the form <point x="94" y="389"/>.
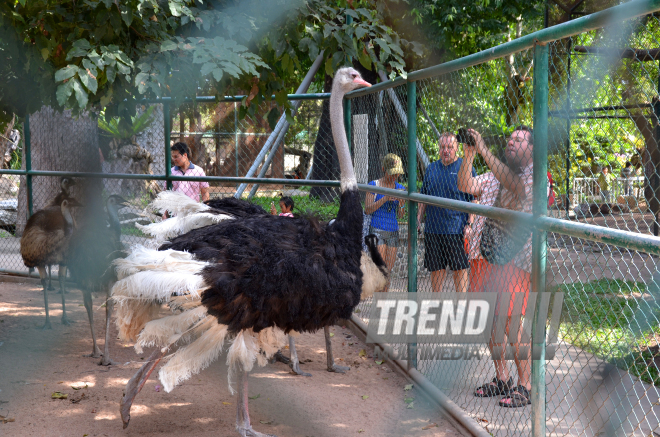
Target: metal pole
<point x="402" y="115"/>
<point x="236" y="136"/>
<point x="654" y="177"/>
<point x="540" y="208"/>
<point x="269" y="159"/>
<point x="412" y="206"/>
<point x="168" y="157"/>
<point x="568" y="129"/>
<point x="304" y="86"/>
<point x="28" y="164"/>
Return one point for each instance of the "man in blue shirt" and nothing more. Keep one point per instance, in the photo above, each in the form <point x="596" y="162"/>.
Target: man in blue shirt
<point x="445" y="228"/>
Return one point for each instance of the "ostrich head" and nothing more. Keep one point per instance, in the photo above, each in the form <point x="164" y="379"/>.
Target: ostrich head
<point x="347" y="79"/>
<point x="65" y="184"/>
<point x="113" y="205"/>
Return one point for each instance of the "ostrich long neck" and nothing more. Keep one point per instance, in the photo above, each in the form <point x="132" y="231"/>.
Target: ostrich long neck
<point x="113" y="216"/>
<point x="348" y="179"/>
<point x="68" y="218"/>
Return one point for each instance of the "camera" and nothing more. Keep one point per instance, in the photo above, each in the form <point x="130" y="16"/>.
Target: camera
<point x="465" y="137"/>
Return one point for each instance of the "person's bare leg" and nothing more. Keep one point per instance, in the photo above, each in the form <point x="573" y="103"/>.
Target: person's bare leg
<point x="87" y="300"/>
<point x="44" y="284"/>
<point x="109" y="304"/>
<point x="332" y="367"/>
<point x="243" y="425"/>
<point x="461" y="280"/>
<point x="523" y="361"/>
<point x="61" y="276"/>
<point x="390" y="257"/>
<point x="294" y="362"/>
<point x="438" y="279"/>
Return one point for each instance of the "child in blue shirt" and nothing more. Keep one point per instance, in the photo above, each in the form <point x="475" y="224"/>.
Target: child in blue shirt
<point x="384" y="210"/>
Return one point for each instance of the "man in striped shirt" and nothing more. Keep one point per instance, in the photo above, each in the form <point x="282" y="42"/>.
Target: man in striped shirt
<point x="183" y="167"/>
<point x="514" y="179"/>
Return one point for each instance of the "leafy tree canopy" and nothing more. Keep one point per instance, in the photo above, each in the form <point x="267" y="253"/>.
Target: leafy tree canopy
<point x="462" y="28"/>
<point x="104" y="53"/>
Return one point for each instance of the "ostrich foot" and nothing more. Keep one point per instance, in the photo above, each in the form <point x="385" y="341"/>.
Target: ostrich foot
<point x="96" y="353"/>
<point x="249" y="432"/>
<point x="67" y="321"/>
<point x="281" y="358"/>
<point x="338" y="369"/>
<point x="107" y="362"/>
<point x="47" y="325"/>
<point x="295" y="369"/>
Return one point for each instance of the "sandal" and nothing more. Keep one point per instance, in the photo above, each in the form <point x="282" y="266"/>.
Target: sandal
<point x="517" y="397"/>
<point x="496" y="387"/>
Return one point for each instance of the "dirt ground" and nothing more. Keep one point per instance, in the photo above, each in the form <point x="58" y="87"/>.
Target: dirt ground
<point x="369" y="400"/>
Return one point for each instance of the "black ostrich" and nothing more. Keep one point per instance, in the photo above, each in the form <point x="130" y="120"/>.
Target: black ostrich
<point x="94" y="245"/>
<point x="266" y="276"/>
<point x="238" y="208"/>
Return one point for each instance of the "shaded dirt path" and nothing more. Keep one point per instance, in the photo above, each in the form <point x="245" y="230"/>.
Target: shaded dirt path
<point x="34" y="364"/>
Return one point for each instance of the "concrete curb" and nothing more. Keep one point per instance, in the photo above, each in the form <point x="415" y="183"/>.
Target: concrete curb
<point x="457" y="414"/>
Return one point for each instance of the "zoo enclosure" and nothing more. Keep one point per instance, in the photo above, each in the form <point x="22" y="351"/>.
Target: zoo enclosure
<point x="456" y="94"/>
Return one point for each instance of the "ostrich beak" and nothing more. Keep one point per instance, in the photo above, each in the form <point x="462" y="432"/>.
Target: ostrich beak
<point x="136" y="383"/>
<point x="361" y="81"/>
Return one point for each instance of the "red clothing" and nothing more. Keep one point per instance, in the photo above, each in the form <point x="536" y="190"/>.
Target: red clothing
<point x="551" y="194"/>
<point x="485" y="277"/>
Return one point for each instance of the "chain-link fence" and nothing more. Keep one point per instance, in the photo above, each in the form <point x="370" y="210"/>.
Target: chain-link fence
<point x="601" y="139"/>
<point x="449" y="133"/>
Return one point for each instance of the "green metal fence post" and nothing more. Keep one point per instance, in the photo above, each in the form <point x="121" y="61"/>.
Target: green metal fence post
<point x="28" y="164"/>
<point x="168" y="157"/>
<point x="540" y="208"/>
<point x="412" y="206"/>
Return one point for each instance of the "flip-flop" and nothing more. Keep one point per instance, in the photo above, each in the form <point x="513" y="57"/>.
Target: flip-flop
<point x="496" y="387"/>
<point x="518" y="397"/>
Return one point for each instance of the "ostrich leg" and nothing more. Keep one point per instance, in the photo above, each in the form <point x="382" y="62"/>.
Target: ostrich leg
<point x="295" y="363"/>
<point x="87" y="299"/>
<point x="242" y="415"/>
<point x="332" y="367"/>
<point x="109" y="304"/>
<point x="61" y="275"/>
<point x="42" y="275"/>
<point x="50" y="278"/>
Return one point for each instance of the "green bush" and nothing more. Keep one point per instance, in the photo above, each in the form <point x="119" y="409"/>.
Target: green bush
<point x="302" y="205"/>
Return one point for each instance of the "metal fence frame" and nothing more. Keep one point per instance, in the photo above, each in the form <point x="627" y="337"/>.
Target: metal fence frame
<point x="538" y="219"/>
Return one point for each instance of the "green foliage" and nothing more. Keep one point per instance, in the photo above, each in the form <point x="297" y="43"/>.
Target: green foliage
<point x="602" y="318"/>
<point x="462" y="28"/>
<point x="303" y="205"/>
<point x="108" y="54"/>
<point x="122" y="131"/>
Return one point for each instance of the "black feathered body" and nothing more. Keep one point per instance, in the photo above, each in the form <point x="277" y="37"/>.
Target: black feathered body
<point x="292" y="273"/>
<point x="236" y="207"/>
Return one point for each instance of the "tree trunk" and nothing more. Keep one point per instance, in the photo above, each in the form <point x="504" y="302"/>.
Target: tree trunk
<point x="651" y="163"/>
<point x="60" y="142"/>
<point x="326" y="163"/>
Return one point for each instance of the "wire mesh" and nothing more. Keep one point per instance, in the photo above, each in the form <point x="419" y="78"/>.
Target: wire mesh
<point x="603" y="101"/>
<point x="604" y="376"/>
